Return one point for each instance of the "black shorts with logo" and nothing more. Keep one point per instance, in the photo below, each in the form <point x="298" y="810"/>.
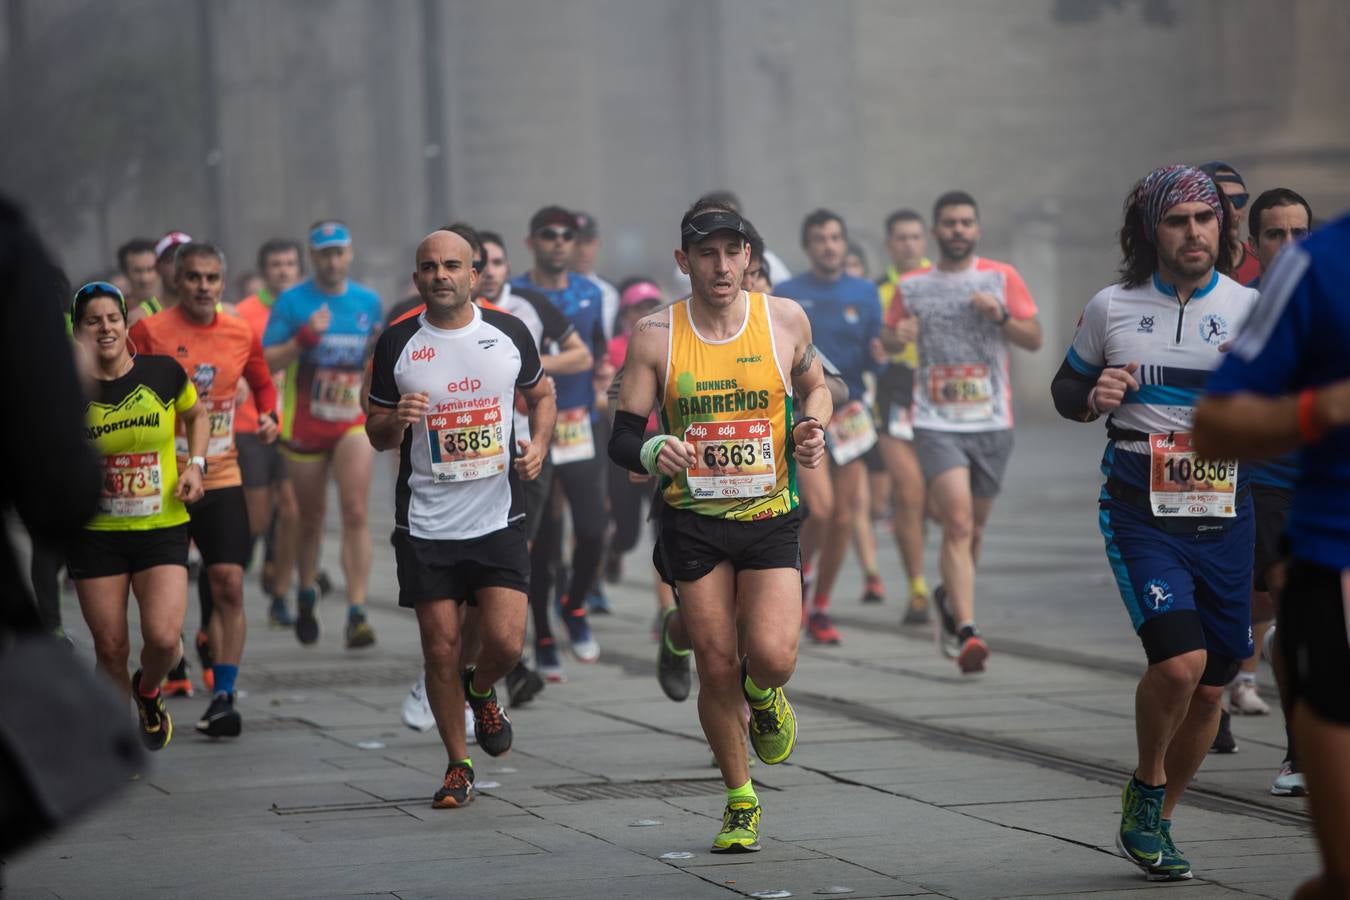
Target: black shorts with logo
<point x="689" y="545"/>
<point x="1315" y="639"/>
<point x="219" y="527"/>
<point x="1271" y="505"/>
<point x="97" y="554"/>
<point x="260" y="464"/>
<point x="457" y="570"/>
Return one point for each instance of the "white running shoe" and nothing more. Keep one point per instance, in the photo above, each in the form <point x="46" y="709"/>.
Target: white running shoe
<point x="416" y="710"/>
<point x="1288" y="782"/>
<point x="1244" y="698"/>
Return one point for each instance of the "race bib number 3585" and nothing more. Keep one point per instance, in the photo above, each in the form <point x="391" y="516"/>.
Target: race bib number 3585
<point x="732" y="459"/>
<point x="467" y="445"/>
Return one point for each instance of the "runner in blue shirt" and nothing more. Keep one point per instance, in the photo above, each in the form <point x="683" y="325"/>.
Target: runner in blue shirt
<point x="578" y="470"/>
<point x="1284" y="385"/>
<point x="321" y="332"/>
<point x="845" y="314"/>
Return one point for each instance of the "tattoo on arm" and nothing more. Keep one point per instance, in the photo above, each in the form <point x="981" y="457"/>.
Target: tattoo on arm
<point x="646" y="324"/>
<point x="808" y="357"/>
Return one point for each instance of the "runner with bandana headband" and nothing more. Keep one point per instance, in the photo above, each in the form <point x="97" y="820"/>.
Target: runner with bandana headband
<point x="1178" y="527"/>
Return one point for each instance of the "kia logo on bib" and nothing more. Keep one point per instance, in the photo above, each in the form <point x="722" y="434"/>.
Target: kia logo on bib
<point x="464" y="384"/>
<point x="423" y="354"/>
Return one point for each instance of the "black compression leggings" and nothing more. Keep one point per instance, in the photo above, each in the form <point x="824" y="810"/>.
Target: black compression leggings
<point x="582" y="483"/>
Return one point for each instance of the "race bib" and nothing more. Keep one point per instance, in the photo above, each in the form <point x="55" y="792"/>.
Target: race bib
<point x="335" y="395"/>
<point x="901" y="423"/>
<point x="573" y="440"/>
<point x="220" y="413"/>
<point x="131" y="485"/>
<point x="963" y="392"/>
<point x="467" y="445"/>
<point x="1183" y="485"/>
<point x="851" y="433"/>
<point x="732" y="459"/>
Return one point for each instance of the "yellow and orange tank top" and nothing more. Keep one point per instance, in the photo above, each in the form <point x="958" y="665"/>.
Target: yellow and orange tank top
<point x="731" y="401"/>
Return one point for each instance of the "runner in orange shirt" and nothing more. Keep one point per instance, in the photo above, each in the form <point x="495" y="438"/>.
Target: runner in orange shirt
<point x="216" y="351"/>
<point x="272" y="509"/>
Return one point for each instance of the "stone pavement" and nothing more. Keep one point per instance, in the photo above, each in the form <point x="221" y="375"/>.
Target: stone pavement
<point x="909" y="780"/>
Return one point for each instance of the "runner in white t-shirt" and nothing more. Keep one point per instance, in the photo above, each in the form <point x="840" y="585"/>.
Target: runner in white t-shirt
<point x="442" y="388"/>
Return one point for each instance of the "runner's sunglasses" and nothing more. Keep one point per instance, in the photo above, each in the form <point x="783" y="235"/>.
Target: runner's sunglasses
<point x="555" y="234"/>
<point x="94" y="289"/>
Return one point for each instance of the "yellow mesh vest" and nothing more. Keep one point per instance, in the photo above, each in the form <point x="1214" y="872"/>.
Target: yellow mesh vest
<point x="731" y="401"/>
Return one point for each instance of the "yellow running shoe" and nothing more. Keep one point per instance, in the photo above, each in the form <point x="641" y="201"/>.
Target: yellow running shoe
<point x="740" y="829"/>
<point x="773" y="726"/>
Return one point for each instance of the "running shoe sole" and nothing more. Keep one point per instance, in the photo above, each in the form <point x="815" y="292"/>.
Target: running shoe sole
<point x="972" y="657"/>
<point x="737" y="848"/>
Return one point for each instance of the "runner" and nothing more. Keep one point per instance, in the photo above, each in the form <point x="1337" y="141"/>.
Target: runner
<point x="845" y="317"/>
<point x="321" y="331"/>
<point x="903" y="479"/>
<point x="578" y="470"/>
<point x="451" y="373"/>
<point x="166" y="251"/>
<point x="1178" y="528"/>
<point x="1246" y="264"/>
<point x="1284" y="386"/>
<point x="716" y="366"/>
<point x="138" y="540"/>
<point x="583" y="261"/>
<point x="272" y="509"/>
<point x="967" y="310"/>
<point x="136" y="262"/>
<point x="218" y="352"/>
<point x="1278" y="217"/>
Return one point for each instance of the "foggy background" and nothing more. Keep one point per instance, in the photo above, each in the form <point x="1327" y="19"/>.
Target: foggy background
<point x="240" y="120"/>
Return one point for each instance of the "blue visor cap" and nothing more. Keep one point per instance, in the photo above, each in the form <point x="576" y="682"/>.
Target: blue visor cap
<point x="329" y="234"/>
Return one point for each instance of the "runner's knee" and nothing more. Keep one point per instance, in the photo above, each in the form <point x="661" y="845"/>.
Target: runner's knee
<point x="1207" y="696"/>
<point x="441" y="653"/>
<point x="112" y="651"/>
<point x="1180" y="674"/>
<point x="354" y="514"/>
<point x="719" y="670"/>
<point x="159" y="637"/>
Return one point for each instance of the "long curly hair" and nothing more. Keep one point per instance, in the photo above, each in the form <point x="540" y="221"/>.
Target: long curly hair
<point x="1139" y="255"/>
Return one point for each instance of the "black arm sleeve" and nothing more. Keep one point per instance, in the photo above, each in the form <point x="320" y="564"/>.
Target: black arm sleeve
<point x="625" y="441"/>
<point x="1070" y="390"/>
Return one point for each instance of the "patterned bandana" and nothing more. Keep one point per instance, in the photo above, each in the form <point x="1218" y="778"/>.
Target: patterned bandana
<point x="1164" y="188"/>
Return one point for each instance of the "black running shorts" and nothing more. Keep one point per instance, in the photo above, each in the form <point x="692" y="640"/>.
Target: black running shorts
<point x="97" y="554"/>
<point x="456" y="570"/>
<point x="690" y="546"/>
<point x="260" y="464"/>
<point x="219" y="527"/>
<point x="1271" y="506"/>
<point x="1315" y="639"/>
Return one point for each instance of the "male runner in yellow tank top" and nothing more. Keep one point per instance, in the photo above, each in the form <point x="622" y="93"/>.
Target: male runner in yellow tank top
<point x="742" y="399"/>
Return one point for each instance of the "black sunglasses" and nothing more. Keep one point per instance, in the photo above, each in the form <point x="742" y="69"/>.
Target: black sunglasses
<point x="555" y="234"/>
<point x="1238" y="200"/>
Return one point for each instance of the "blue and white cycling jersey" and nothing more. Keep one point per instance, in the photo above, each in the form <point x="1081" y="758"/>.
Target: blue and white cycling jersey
<point x="1176" y="346"/>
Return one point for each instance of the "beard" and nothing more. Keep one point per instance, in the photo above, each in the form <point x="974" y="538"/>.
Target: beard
<point x="956" y="250"/>
<point x="1192" y="268"/>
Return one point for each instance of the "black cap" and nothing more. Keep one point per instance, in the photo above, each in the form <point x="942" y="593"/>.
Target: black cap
<point x="551" y="215"/>
<point x="702" y="224"/>
<point x="585" y="225"/>
<point x="1222" y="172"/>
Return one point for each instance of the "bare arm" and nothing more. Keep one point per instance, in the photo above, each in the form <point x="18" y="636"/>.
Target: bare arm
<point x="811" y="391"/>
<point x="572" y="357"/>
<point x="1024" y="333"/>
<point x="197" y="424"/>
<point x="1254" y="426"/>
<point x="385" y="426"/>
<point x="542" y="400"/>
<point x="646" y="357"/>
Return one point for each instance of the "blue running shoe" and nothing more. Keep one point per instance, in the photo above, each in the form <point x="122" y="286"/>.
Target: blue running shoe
<point x="584" y="646"/>
<point x="1172" y="866"/>
<point x="547" y="663"/>
<point x="1139" y="837"/>
<point x="597" y="602"/>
